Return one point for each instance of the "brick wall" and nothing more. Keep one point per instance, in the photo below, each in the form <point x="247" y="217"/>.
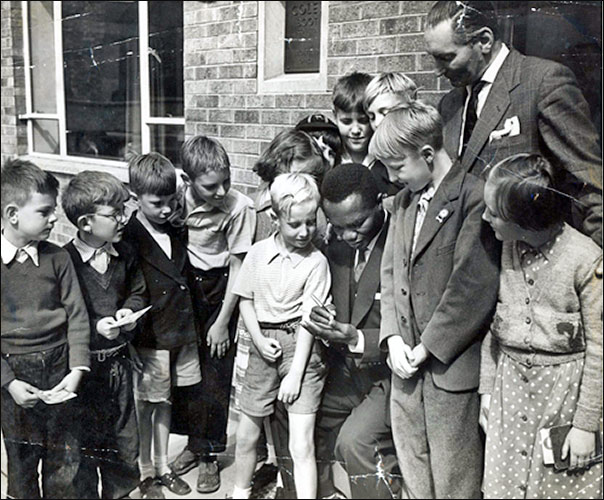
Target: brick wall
<point x="14" y="133"/>
<point x="221" y="54"/>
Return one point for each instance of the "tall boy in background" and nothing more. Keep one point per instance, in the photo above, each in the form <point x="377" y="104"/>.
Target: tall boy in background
<point x="221" y="224"/>
<point x="113" y="286"/>
<point x="45" y="336"/>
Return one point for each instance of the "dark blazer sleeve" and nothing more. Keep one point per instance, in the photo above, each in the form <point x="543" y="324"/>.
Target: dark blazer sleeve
<point x="138" y="296"/>
<point x="568" y="134"/>
<point x="468" y="301"/>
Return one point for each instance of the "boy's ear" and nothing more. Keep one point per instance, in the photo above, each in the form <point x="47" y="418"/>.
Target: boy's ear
<point x="83" y="223"/>
<point x="427" y="153"/>
<point x="11" y="213"/>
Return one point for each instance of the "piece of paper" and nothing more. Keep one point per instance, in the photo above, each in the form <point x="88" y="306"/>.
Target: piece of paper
<point x="56" y="397"/>
<point x="131" y="318"/>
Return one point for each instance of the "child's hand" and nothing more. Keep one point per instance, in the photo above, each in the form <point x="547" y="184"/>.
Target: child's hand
<point x="105" y="327"/>
<point x="270" y="349"/>
<point x="24" y="394"/>
<point x="485" y="404"/>
<point x="122" y="313"/>
<point x="582" y="448"/>
<point x="70" y="381"/>
<point x="418" y="355"/>
<point x="399" y="357"/>
<point x="218" y="340"/>
<point x="289" y="389"/>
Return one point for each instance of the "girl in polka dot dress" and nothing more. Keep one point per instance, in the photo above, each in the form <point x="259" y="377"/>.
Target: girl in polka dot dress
<point x="542" y="359"/>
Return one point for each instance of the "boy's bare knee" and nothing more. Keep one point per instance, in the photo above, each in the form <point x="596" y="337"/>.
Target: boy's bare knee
<point x="302" y="449"/>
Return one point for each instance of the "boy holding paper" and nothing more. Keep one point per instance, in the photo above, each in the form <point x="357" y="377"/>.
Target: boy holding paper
<point x="114" y="287"/>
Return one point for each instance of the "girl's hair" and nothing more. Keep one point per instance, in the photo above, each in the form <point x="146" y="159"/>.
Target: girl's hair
<point x="292" y="189"/>
<point x="524" y="191"/>
<point x="323" y="129"/>
<point x="152" y="173"/>
<point x="288" y="146"/>
<point x="390" y="83"/>
<point x="408" y="127"/>
<point x="348" y="92"/>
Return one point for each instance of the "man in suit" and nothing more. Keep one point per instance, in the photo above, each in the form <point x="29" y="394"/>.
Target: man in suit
<point x="505" y="103"/>
<point x="353" y="422"/>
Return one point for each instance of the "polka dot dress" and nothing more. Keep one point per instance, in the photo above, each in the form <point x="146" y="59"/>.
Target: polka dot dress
<point x="525" y="400"/>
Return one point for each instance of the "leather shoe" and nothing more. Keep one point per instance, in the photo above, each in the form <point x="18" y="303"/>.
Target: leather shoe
<point x="183" y="463"/>
<point x="150" y="488"/>
<point x="208" y="479"/>
<point x="175" y="484"/>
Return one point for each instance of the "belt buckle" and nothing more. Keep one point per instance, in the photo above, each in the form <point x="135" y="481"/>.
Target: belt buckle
<point x="101" y="356"/>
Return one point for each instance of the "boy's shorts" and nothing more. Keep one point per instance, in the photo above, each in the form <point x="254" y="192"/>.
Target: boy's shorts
<point x="163" y="369"/>
<point x="263" y="379"/>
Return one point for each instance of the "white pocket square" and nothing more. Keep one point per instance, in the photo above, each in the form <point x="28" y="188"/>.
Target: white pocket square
<point x="511" y="128"/>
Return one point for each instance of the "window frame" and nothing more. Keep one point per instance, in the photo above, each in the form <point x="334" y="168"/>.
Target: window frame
<point x="147" y="121"/>
<point x="270" y="47"/>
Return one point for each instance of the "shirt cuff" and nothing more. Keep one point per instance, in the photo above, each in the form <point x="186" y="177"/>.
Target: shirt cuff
<point x="360" y="347"/>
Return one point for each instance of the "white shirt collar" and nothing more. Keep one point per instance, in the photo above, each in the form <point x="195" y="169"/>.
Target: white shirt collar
<point x="87" y="252"/>
<point x="370" y="246"/>
<point x="9" y="251"/>
<point x="277" y="248"/>
<point x="493" y="69"/>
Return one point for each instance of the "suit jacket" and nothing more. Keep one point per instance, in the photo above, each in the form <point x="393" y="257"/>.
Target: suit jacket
<point x="443" y="297"/>
<point x="170" y="322"/>
<point x="359" y="304"/>
<point x="554" y="121"/>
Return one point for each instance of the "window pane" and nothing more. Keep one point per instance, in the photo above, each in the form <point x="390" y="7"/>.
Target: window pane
<point x="42" y="57"/>
<point x="302" y="37"/>
<point x="46" y="136"/>
<point x="166" y="59"/>
<point x="167" y="140"/>
<point x="102" y="88"/>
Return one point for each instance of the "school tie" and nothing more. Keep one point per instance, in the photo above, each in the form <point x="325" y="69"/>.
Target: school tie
<point x="100" y="260"/>
<point x="21" y="256"/>
<point x="422" y="207"/>
<point x="471" y="116"/>
<point x="360" y="265"/>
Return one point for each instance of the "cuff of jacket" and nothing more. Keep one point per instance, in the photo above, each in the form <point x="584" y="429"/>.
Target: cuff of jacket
<point x="587" y="419"/>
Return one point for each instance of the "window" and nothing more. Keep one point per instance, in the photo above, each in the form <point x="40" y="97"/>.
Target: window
<point x="292" y="46"/>
<point x="89" y="94"/>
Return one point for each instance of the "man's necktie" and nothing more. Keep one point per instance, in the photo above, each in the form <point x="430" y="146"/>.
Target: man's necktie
<point x="471" y="116"/>
<point x="360" y="265"/>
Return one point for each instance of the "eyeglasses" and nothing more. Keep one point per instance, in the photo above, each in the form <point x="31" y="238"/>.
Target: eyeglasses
<point x="121" y="217"/>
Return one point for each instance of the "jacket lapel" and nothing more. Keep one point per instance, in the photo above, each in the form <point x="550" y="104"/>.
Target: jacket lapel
<point x="341" y="269"/>
<point x="369" y="282"/>
<point x="440" y="208"/>
<point x="497" y="103"/>
<point x="150" y="251"/>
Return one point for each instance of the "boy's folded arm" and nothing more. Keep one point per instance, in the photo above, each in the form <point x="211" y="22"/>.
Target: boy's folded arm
<point x="78" y="323"/>
<point x="472" y="286"/>
<point x="138" y="296"/>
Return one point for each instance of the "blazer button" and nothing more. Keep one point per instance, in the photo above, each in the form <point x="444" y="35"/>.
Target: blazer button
<point x="403" y="319"/>
<point x="182" y="287"/>
<point x="403" y="291"/>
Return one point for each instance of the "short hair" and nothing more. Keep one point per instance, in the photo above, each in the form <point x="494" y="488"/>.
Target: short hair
<point x="152" y="173"/>
<point x="525" y="192"/>
<point x="410" y="126"/>
<point x="390" y="83"/>
<point x="89" y="189"/>
<point x="349" y="91"/>
<point x="288" y="146"/>
<point x="22" y="178"/>
<point x="466" y="18"/>
<point x="201" y="154"/>
<point x="292" y="189"/>
<point x="352" y="178"/>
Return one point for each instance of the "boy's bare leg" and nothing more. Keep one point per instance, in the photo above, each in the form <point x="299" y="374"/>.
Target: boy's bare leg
<point x="248" y="431"/>
<point x="161" y="433"/>
<point x="144" y="413"/>
<point x="302" y="449"/>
